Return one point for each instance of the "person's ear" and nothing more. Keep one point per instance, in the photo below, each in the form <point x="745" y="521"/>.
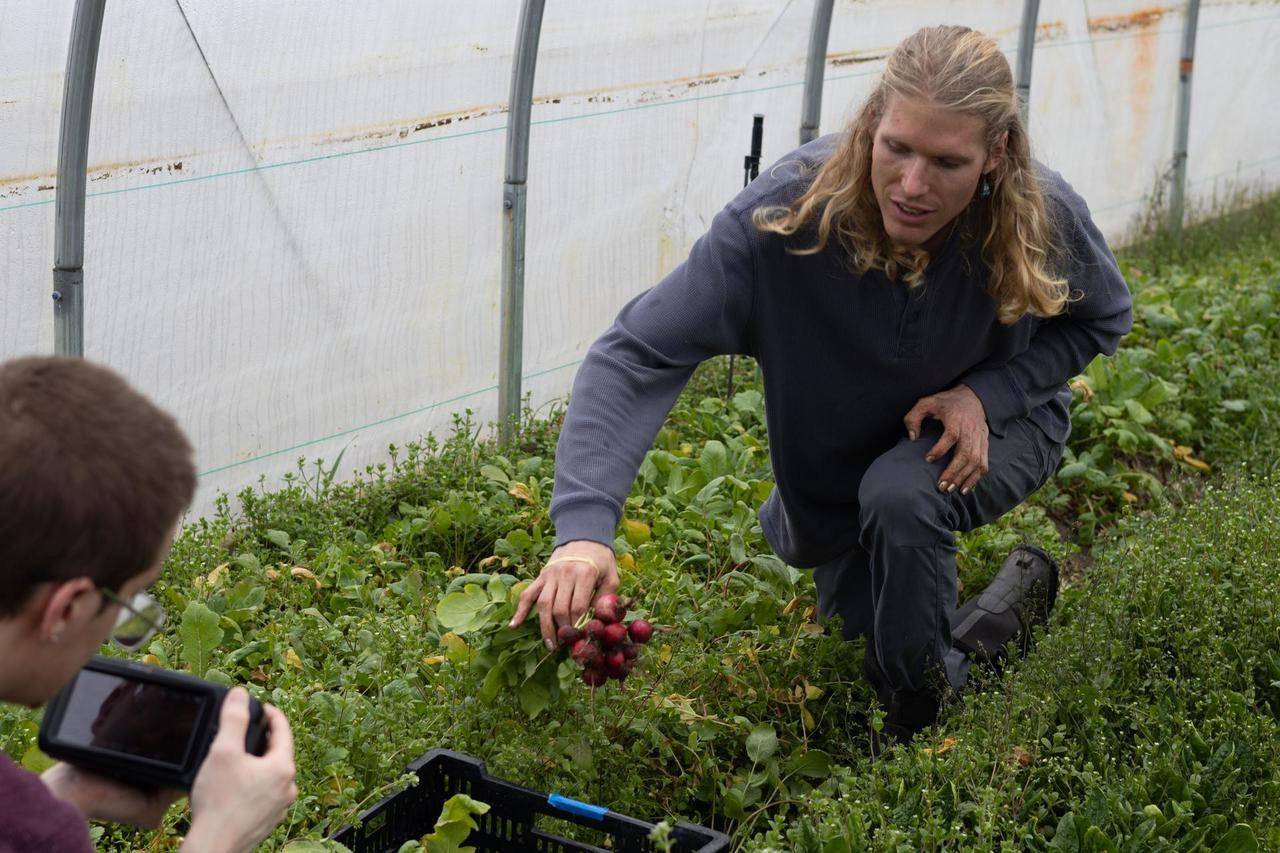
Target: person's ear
<point x="65" y="607"/>
<point x="996" y="155"/>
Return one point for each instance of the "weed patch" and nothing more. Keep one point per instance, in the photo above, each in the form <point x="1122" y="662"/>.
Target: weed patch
<point x="1145" y="719"/>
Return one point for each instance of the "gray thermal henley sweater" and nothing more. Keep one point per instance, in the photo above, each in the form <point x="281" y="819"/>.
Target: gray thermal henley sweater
<point x="843" y="357"/>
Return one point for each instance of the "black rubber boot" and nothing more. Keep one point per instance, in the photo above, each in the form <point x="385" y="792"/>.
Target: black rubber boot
<point x="1021" y="595"/>
<point x="906" y="711"/>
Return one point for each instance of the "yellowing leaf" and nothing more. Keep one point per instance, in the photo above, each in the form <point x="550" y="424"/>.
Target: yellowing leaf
<point x="637" y="532"/>
<point x="686" y="449"/>
<point x="944" y="747"/>
<point x="664" y="653"/>
<point x="812" y="629"/>
<point x="488" y="561"/>
<point x="628" y="562"/>
<point x="811" y="692"/>
<point x="1198" y="464"/>
<point x="791" y="606"/>
<point x="520" y="492"/>
<point x="453" y="643"/>
<point x="151" y="660"/>
<point x="809" y="722"/>
<point x="272" y="574"/>
<point x="304" y="572"/>
<point x="1021" y="756"/>
<point x="1130" y="497"/>
<point x="1081" y="386"/>
<point x="217" y="574"/>
<point x="434" y="660"/>
<point x="291" y="659"/>
<point x="518" y="588"/>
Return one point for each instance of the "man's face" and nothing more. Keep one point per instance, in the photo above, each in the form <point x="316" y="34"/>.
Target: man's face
<point x="83" y="636"/>
<point x="59" y="629"/>
<point x="925" y="166"/>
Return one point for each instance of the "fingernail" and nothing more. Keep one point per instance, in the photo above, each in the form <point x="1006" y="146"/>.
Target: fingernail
<point x="951" y="488"/>
<point x="942" y="486"/>
<point x="965" y="490"/>
<point x="911" y="435"/>
<point x="551" y="647"/>
<point x="928" y="459"/>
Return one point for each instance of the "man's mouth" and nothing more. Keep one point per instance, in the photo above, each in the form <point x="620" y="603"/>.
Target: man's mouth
<point x="911" y="211"/>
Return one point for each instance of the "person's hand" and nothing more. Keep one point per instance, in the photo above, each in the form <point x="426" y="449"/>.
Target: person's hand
<point x="964" y="427"/>
<point x="238" y="797"/>
<point x="101" y="798"/>
<point x="575" y="575"/>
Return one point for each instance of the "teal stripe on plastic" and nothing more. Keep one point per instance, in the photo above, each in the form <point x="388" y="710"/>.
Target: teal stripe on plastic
<point x="305" y="444"/>
<point x="576" y="807"/>
<point x="585" y="116"/>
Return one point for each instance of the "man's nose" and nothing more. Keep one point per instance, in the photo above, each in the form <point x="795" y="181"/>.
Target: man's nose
<point x="915" y="180"/>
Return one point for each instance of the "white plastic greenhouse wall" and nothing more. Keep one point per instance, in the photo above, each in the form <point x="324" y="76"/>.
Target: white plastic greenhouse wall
<point x="295" y="207"/>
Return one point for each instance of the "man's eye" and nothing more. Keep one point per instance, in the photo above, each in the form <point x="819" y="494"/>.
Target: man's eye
<point x="896" y="148"/>
<point x="948" y="164"/>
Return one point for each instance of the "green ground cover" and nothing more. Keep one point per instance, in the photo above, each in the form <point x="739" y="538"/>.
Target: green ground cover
<point x="1147" y="717"/>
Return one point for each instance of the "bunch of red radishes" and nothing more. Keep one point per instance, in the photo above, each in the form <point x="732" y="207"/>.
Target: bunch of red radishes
<point x="605" y="647"/>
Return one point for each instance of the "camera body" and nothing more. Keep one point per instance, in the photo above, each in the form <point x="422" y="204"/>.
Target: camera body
<point x="143" y="725"/>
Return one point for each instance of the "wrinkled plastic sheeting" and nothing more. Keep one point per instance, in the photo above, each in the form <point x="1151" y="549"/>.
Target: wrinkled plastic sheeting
<point x="293" y="235"/>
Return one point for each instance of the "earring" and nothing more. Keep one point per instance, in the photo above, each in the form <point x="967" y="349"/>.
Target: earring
<point x="986" y="187"/>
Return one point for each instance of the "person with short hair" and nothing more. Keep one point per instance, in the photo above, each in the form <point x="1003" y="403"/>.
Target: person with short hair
<point x="94" y="480"/>
<point x="917" y="292"/>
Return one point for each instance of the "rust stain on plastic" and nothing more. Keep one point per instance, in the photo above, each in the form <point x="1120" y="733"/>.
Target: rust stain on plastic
<point x="1143" y="64"/>
<point x="856" y="57"/>
<point x="646" y="91"/>
<point x="1137" y="19"/>
<point x="1050" y="30"/>
<point x="96" y="172"/>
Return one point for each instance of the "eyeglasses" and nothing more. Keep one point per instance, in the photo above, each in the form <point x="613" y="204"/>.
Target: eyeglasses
<point x="139" y="620"/>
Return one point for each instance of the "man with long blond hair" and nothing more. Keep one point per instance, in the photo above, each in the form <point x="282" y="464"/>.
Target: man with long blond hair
<point x="917" y="292"/>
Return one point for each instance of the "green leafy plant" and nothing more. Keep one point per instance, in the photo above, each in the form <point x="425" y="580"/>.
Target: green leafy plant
<point x="373" y="613"/>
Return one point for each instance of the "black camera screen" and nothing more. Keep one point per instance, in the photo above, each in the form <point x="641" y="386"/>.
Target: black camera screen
<point x="132" y="717"/>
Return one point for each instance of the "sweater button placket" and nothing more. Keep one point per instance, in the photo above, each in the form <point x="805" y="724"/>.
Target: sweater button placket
<point x="909" y="343"/>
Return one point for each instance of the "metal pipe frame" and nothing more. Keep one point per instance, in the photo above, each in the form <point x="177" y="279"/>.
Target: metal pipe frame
<point x="73" y="163"/>
<point x="520" y="108"/>
<point x="1177" y="191"/>
<point x="1026" y="50"/>
<point x="815" y="70"/>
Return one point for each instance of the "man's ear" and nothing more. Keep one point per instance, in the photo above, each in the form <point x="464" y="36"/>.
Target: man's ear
<point x="65" y="605"/>
<point x="996" y="156"/>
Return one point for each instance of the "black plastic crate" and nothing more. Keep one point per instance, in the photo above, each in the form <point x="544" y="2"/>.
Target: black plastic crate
<point x="511" y="823"/>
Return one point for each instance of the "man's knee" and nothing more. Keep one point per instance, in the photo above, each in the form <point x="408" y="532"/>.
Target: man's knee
<point x="900" y="500"/>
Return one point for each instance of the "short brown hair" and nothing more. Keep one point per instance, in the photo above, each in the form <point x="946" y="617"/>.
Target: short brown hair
<point x="93" y="476"/>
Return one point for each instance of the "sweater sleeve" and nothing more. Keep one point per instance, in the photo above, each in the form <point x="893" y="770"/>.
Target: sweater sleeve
<point x="633" y="373"/>
<point x="1098" y="316"/>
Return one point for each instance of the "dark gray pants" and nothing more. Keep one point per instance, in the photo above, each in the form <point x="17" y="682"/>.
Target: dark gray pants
<point x="897" y="587"/>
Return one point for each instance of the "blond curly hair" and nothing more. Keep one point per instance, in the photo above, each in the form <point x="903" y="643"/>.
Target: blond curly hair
<point x="962" y="70"/>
